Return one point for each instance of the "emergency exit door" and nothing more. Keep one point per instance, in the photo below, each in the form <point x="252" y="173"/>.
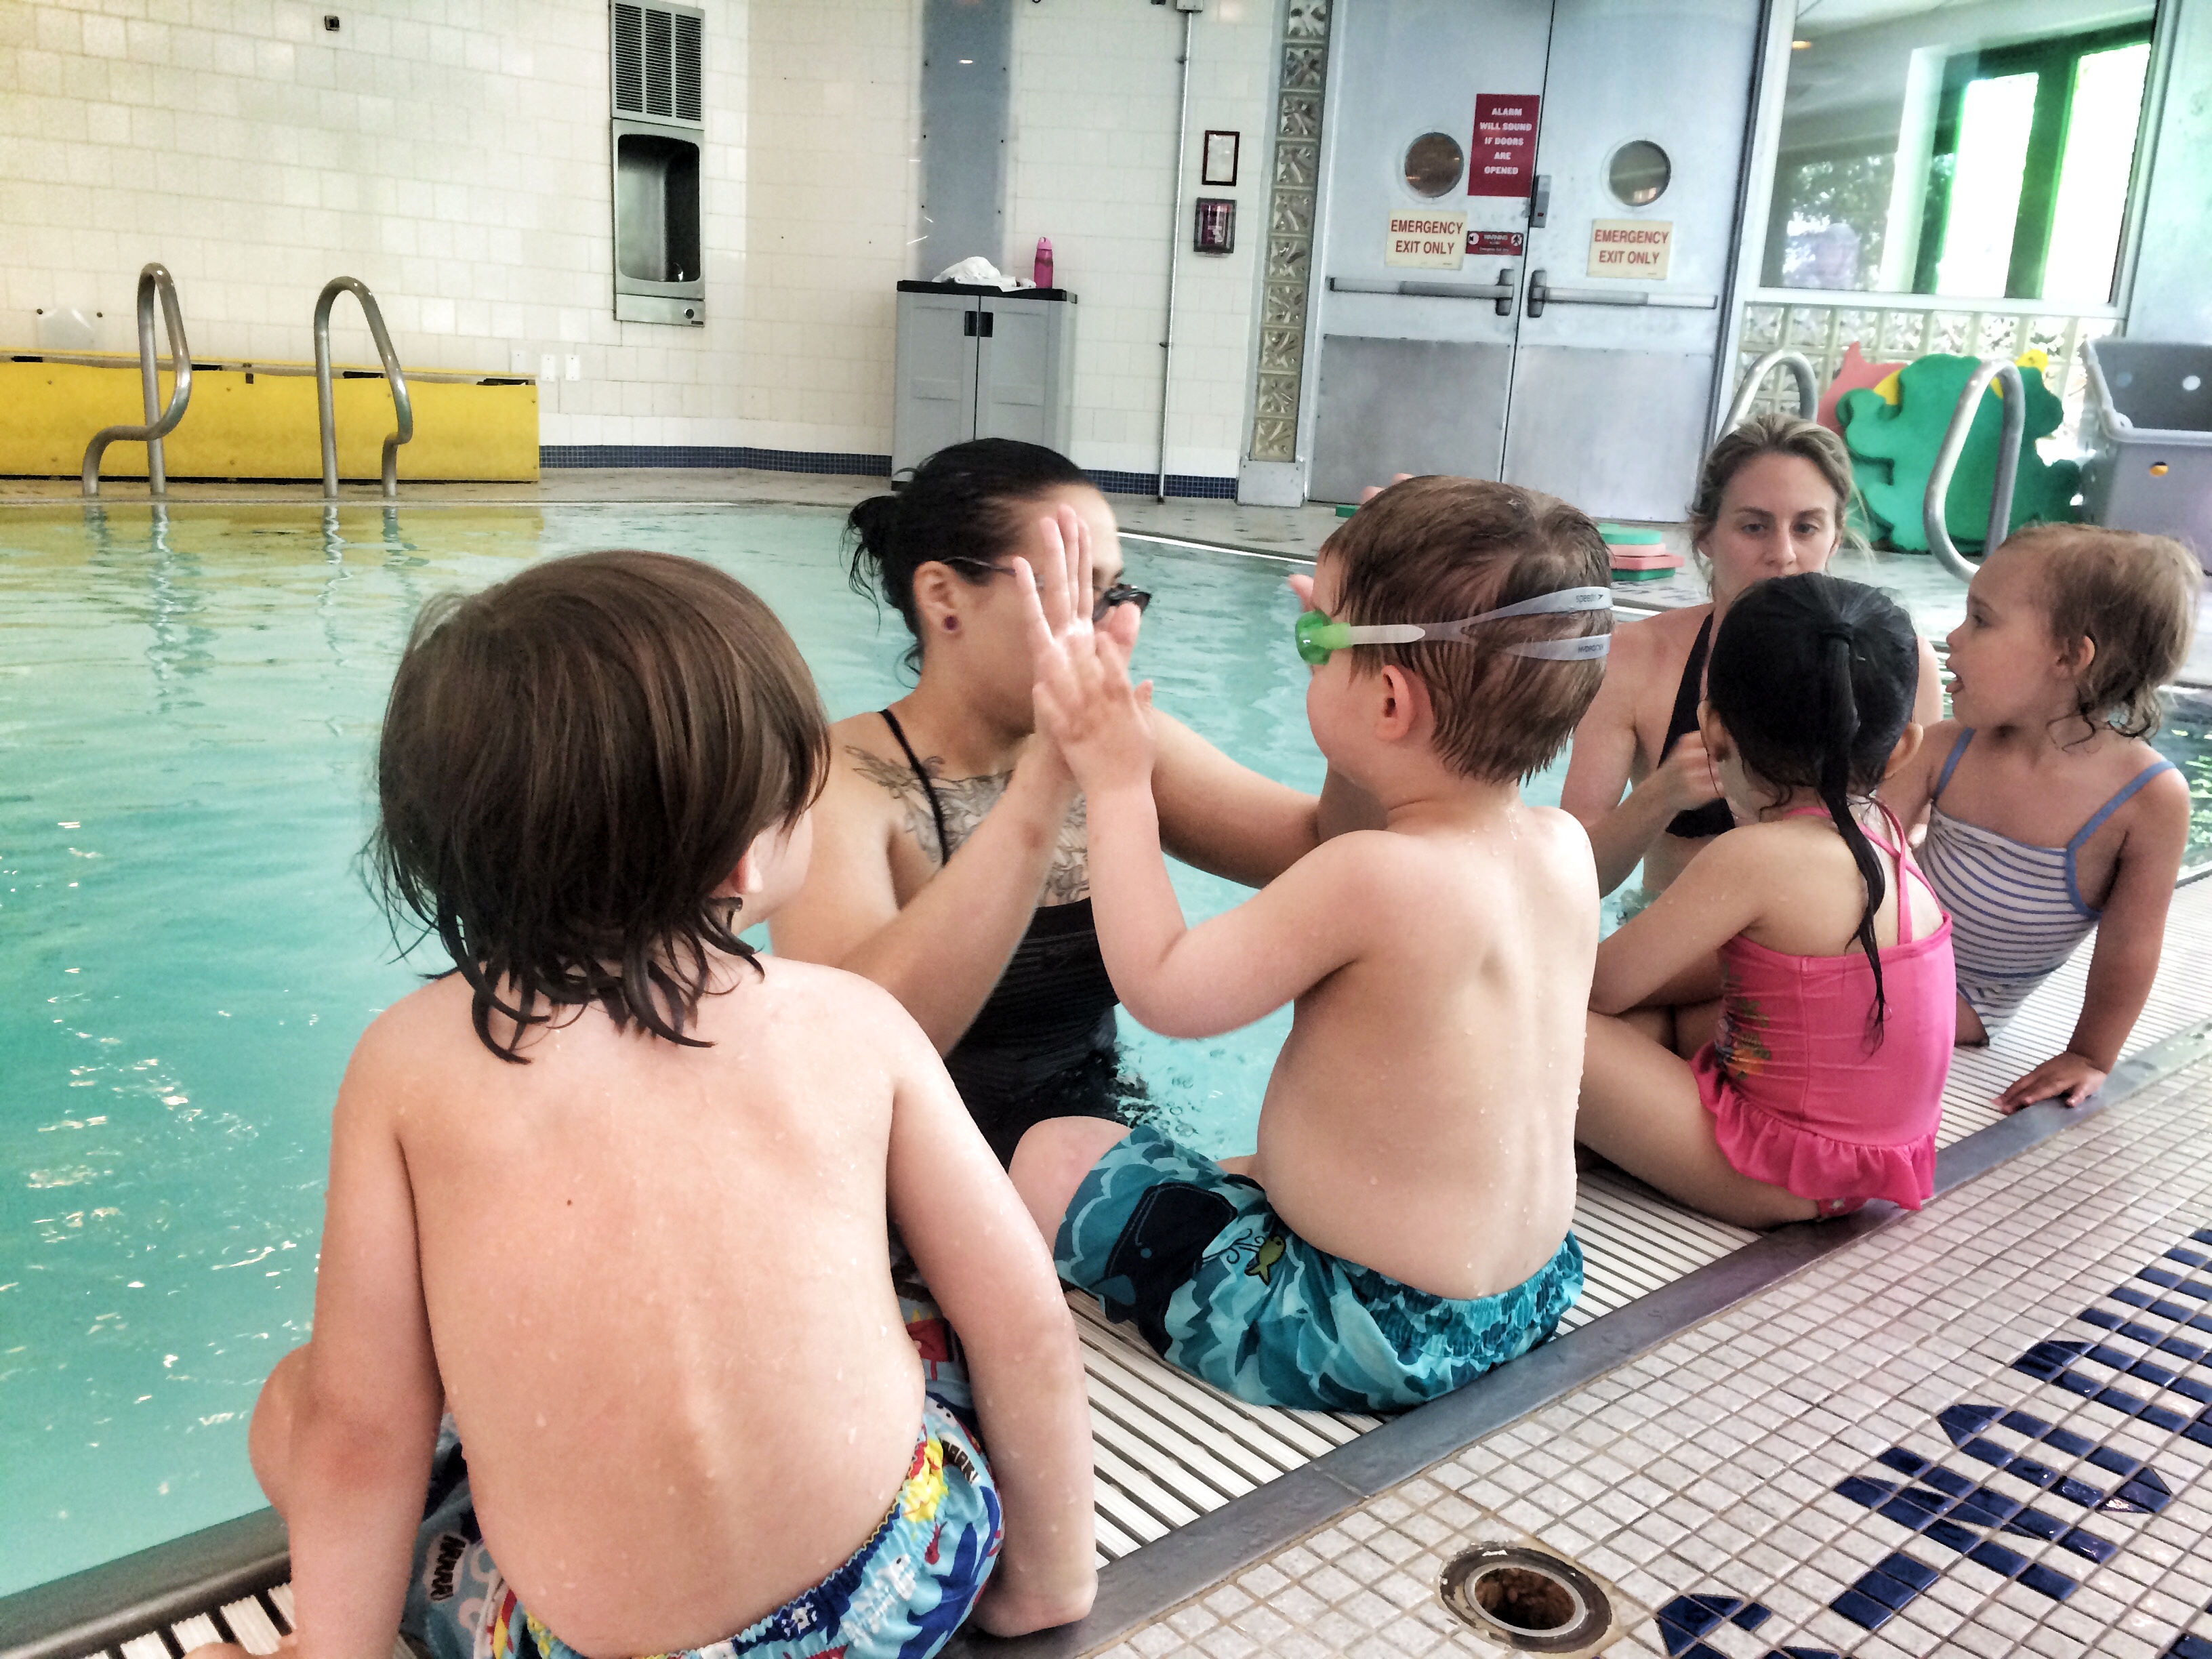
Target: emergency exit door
<point x="1571" y="347"/>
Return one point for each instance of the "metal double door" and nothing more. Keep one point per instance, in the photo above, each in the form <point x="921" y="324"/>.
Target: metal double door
<point x="1572" y="346"/>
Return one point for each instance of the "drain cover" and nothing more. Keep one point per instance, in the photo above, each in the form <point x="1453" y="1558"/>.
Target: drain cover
<point x="1528" y="1598"/>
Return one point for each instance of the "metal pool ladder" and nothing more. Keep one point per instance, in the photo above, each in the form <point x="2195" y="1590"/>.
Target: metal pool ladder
<point x="401" y="405"/>
<point x="1800" y="370"/>
<point x="153" y="279"/>
<point x="2015" y="399"/>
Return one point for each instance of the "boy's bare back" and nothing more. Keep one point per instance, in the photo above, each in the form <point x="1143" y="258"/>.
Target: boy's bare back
<point x="1420" y="1118"/>
<point x="656" y="1279"/>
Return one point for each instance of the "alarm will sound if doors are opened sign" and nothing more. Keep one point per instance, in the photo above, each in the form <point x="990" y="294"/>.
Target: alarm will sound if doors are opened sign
<point x="1504" y="160"/>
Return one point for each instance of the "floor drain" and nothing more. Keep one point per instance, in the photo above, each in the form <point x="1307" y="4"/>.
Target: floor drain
<point x="1528" y="1598"/>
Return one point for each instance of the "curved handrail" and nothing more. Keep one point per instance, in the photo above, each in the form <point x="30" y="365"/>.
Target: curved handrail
<point x="400" y="403"/>
<point x="1800" y="370"/>
<point x="153" y="279"/>
<point x="2014" y="395"/>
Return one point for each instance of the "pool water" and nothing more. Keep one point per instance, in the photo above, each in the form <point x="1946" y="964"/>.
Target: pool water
<point x="188" y="700"/>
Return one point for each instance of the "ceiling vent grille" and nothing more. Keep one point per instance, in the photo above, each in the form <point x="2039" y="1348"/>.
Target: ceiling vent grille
<point x="657" y="74"/>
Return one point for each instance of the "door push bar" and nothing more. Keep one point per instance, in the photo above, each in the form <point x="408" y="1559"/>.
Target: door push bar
<point x="2013" y="437"/>
<point x="1541" y="294"/>
<point x="152" y="280"/>
<point x="1502" y="291"/>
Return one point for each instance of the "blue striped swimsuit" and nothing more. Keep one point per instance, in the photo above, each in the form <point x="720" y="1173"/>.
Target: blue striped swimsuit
<point x="2017" y="910"/>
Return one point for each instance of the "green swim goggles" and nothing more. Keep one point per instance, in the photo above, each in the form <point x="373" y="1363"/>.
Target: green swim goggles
<point x="1318" y="637"/>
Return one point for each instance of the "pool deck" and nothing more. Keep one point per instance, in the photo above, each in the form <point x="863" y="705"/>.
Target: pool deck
<point x="1985" y="1427"/>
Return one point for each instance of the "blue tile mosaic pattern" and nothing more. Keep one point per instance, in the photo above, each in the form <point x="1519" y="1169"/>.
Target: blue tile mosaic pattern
<point x="1960" y="1514"/>
<point x="713" y="455"/>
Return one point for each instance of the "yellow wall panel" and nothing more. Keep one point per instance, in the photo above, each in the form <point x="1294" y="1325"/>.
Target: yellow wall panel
<point x="264" y="426"/>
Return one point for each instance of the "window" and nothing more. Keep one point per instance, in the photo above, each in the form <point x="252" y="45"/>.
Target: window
<point x="1919" y="153"/>
<point x="2021" y="132"/>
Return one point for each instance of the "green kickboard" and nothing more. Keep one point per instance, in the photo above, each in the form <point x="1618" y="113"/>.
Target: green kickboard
<point x="1894" y="449"/>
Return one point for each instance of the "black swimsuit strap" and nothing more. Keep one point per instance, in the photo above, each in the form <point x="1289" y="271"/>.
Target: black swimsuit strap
<point x="1713" y="818"/>
<point x="1691" y="692"/>
<point x="921" y="773"/>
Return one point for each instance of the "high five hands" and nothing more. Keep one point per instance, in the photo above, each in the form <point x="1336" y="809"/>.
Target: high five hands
<point x="1085" y="702"/>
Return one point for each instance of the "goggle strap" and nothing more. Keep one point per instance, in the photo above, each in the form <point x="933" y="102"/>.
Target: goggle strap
<point x="1560" y="602"/>
<point x="1588" y="648"/>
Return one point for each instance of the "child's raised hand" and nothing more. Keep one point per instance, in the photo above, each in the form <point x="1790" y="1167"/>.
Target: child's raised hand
<point x="2068" y="1077"/>
<point x="1085" y="705"/>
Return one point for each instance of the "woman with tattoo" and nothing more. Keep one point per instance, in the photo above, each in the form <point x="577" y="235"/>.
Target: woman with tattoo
<point x="949" y="853"/>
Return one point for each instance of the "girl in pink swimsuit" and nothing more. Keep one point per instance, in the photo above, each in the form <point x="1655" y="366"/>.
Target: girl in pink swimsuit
<point x="1769" y="1040"/>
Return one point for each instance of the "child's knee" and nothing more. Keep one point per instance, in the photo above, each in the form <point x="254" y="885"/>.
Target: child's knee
<point x="1052" y="1159"/>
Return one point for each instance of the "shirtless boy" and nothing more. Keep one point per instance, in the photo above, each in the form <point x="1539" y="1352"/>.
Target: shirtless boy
<point x="613" y="1195"/>
<point x="1404" y="1224"/>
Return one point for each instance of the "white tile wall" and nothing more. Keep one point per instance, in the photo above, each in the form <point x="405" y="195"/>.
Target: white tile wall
<point x="452" y="154"/>
<point x="1094" y="123"/>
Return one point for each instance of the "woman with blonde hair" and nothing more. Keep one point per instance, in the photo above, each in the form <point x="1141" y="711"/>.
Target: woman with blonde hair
<point x="1771" y="502"/>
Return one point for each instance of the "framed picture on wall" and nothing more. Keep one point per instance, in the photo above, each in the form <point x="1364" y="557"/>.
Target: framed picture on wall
<point x="1218" y="166"/>
<point x="1215" y="230"/>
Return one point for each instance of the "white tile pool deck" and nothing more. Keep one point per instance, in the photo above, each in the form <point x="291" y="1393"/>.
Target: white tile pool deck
<point x="1982" y="1430"/>
<point x="1707" y="1466"/>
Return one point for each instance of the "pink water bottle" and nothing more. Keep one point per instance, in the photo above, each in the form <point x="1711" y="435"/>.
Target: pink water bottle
<point x="1042" y="272"/>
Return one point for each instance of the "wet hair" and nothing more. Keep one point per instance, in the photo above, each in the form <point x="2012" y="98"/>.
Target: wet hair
<point x="960" y="508"/>
<point x="1814" y="678"/>
<point x="2135" y="597"/>
<point x="571" y="762"/>
<point x="1438" y="548"/>
<point x="1776" y="434"/>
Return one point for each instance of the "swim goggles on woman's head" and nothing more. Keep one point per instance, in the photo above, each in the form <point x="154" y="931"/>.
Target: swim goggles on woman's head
<point x="1318" y="636"/>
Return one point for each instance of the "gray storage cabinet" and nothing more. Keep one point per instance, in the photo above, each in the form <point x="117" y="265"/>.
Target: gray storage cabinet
<point x="975" y="363"/>
<point x="2147" y="429"/>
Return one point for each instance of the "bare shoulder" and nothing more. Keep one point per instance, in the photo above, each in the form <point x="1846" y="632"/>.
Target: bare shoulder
<point x="2164" y="799"/>
<point x="419" y="1045"/>
<point x="1653" y="647"/>
<point x="1916" y="777"/>
<point x="864" y="1014"/>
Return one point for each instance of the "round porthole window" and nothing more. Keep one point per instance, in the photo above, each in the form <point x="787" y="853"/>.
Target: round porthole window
<point x="1640" y="172"/>
<point x="1434" y="164"/>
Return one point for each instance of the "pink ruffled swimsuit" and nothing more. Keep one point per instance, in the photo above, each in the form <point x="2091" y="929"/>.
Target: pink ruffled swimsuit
<point x="1798" y="1098"/>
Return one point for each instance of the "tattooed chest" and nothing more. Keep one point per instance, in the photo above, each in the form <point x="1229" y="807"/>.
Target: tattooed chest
<point x="957" y="806"/>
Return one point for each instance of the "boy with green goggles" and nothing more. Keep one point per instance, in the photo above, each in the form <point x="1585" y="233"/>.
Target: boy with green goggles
<point x="1403" y="1225"/>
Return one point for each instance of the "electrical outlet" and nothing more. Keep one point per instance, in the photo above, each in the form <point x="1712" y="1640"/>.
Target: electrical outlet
<point x="575" y="366"/>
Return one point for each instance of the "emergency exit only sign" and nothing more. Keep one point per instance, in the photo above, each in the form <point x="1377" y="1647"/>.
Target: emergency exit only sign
<point x="1630" y="247"/>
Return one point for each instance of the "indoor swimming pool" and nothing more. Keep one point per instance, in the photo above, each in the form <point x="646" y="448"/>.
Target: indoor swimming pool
<point x="189" y="700"/>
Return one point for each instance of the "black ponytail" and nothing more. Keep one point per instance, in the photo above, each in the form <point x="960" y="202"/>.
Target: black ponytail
<point x="1841" y="725"/>
<point x="1814" y="679"/>
<point x="957" y="508"/>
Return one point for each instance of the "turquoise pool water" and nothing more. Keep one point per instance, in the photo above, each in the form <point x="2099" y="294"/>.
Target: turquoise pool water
<point x="186" y="706"/>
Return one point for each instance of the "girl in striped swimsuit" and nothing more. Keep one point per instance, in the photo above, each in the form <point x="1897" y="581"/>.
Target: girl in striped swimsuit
<point x="2048" y="815"/>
